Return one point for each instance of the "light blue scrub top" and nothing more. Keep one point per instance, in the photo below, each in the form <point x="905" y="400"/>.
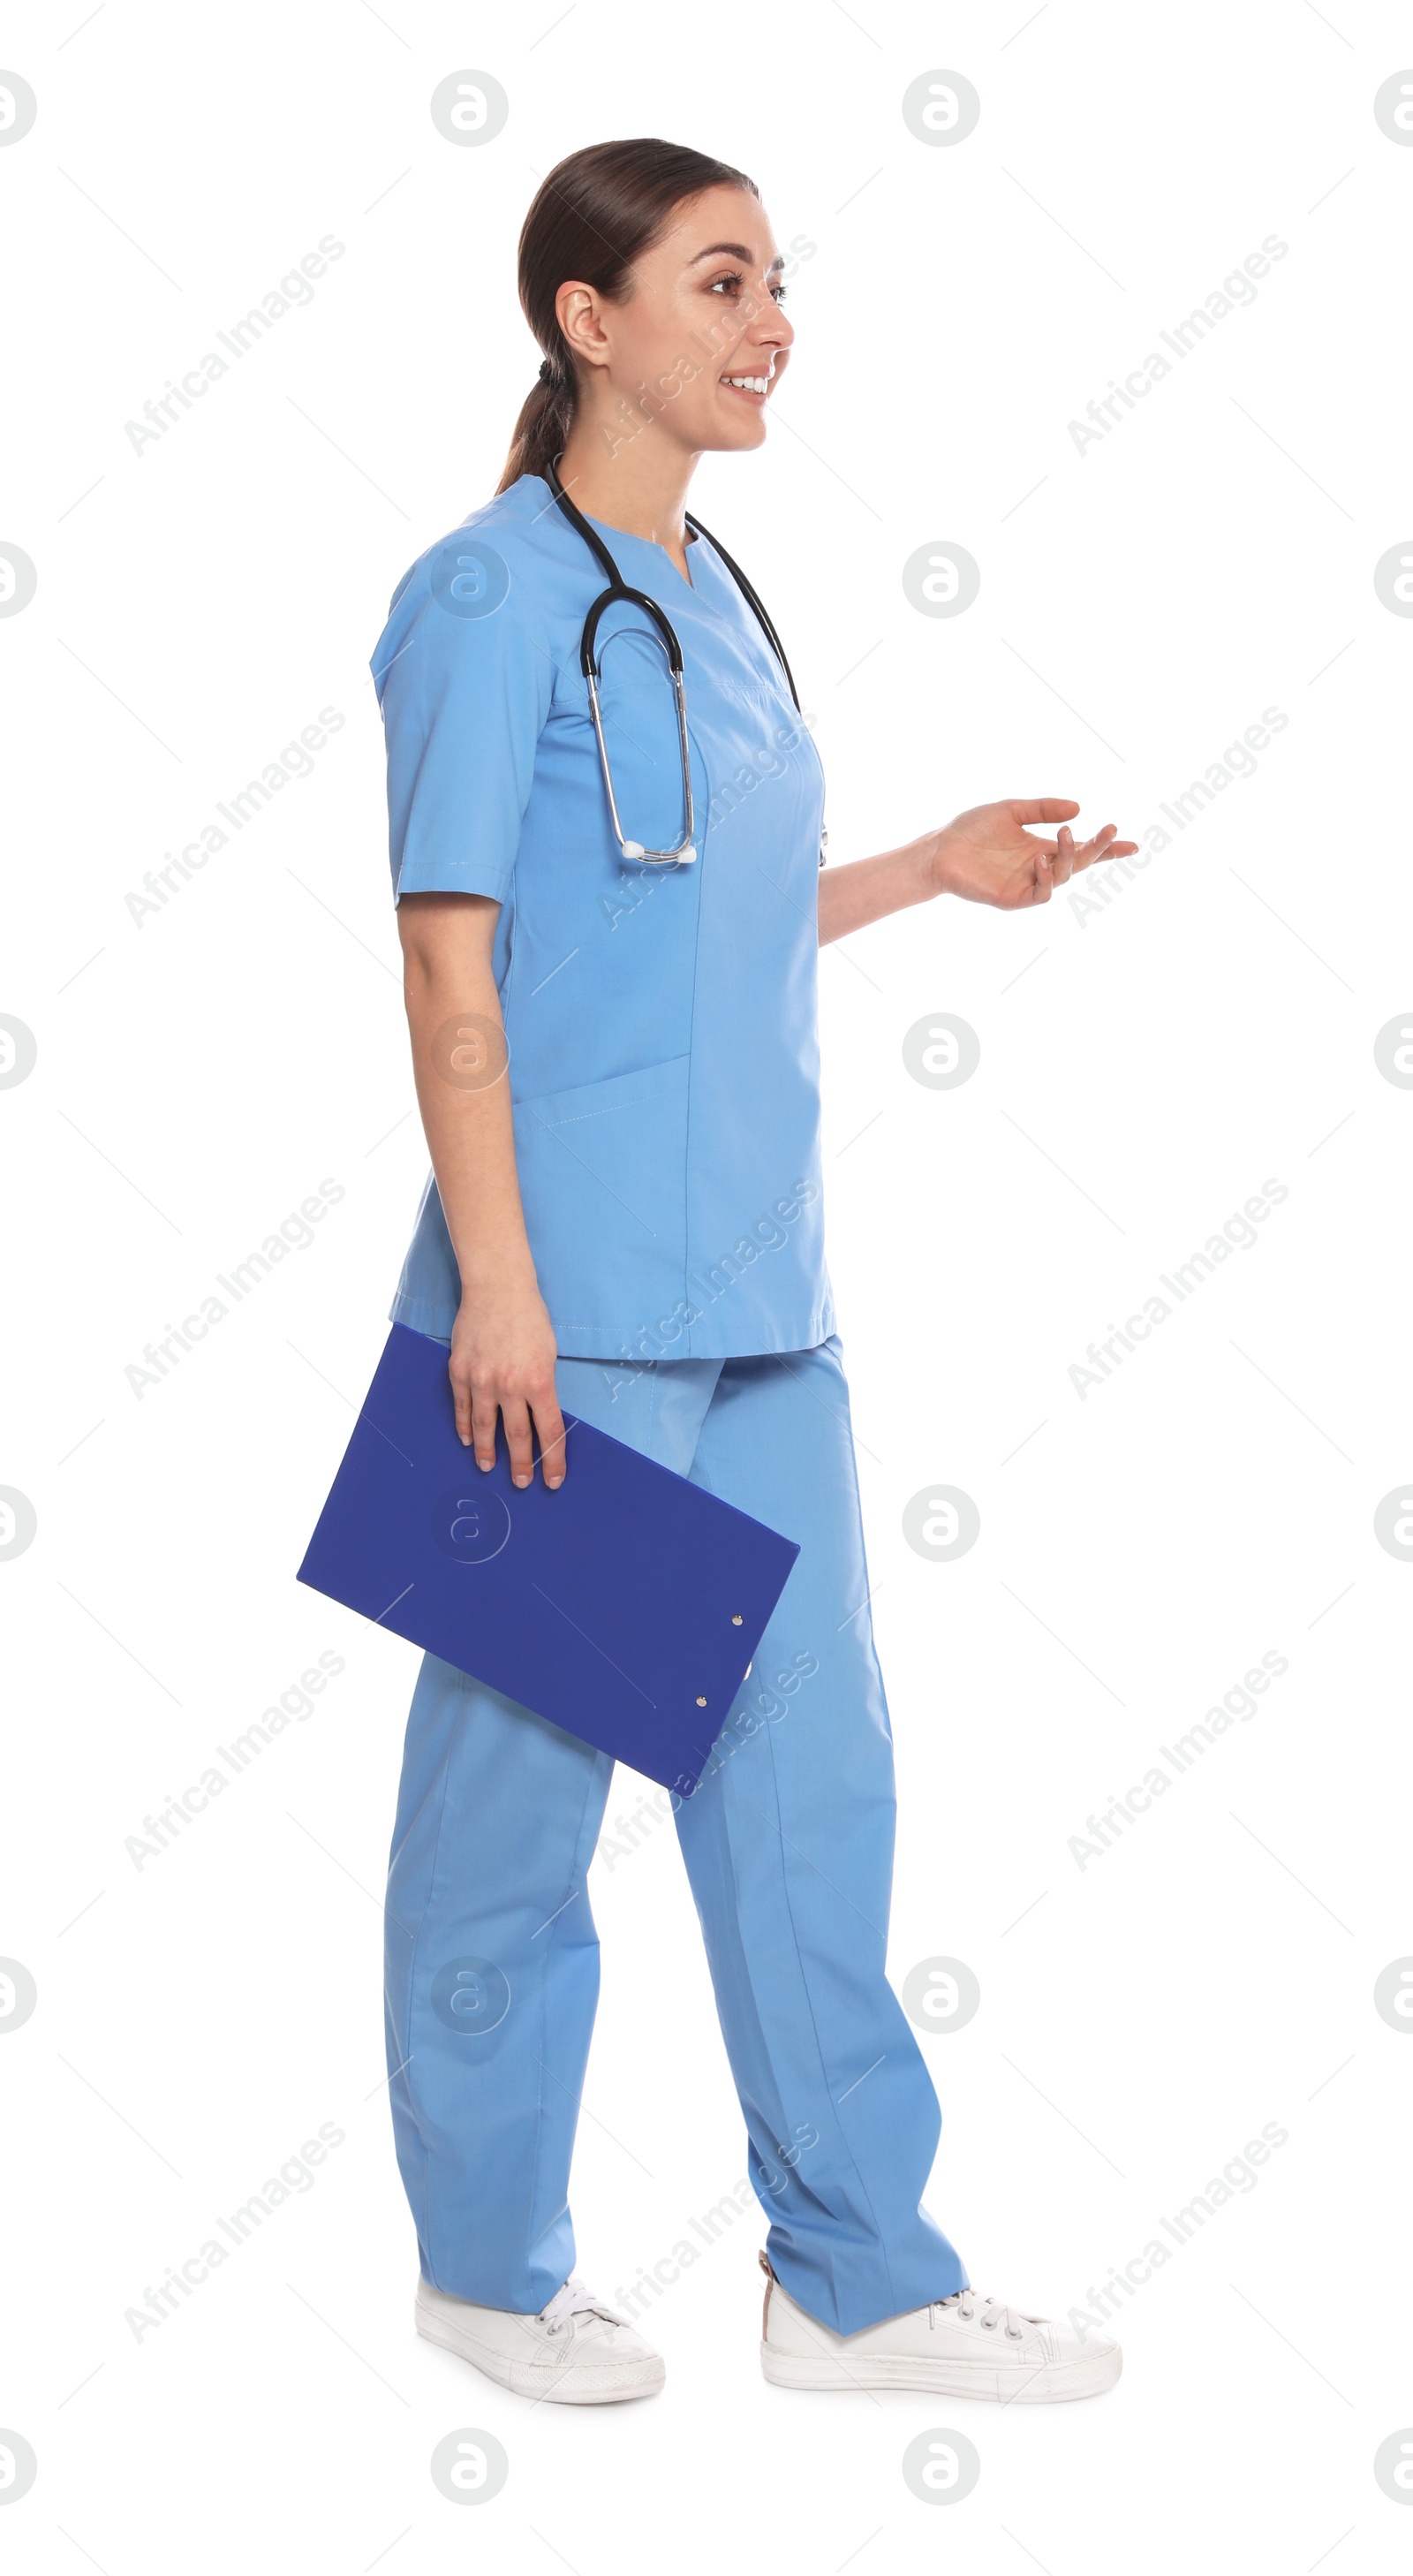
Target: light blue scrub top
<point x="661" y="1021"/>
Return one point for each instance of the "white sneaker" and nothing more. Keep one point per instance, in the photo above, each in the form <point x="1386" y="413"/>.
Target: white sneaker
<point x="965" y="2346"/>
<point x="578" y="2351"/>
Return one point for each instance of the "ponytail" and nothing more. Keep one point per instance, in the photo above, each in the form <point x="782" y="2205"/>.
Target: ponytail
<point x="595" y="214"/>
<point x="543" y="425"/>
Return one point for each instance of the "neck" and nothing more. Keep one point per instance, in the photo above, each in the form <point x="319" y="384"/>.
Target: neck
<point x="629" y="474"/>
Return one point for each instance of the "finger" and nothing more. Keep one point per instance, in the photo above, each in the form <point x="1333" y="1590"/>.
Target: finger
<point x="1042" y="809"/>
<point x="549" y="1422"/>
<point x="1100" y="848"/>
<point x="461" y="1403"/>
<point x="1064" y="855"/>
<point x="483" y="1427"/>
<point x="1117" y="850"/>
<point x="515" y="1413"/>
<point x="1044" y="878"/>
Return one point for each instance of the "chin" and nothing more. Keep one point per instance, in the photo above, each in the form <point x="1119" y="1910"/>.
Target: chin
<point x="733" y="437"/>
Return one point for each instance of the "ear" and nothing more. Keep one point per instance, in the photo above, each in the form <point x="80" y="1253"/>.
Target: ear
<point x="579" y="311"/>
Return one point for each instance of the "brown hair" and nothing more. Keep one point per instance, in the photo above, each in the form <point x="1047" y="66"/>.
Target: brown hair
<point x="595" y="214"/>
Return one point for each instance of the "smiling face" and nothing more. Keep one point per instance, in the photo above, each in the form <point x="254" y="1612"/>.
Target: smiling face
<point x="701" y="335"/>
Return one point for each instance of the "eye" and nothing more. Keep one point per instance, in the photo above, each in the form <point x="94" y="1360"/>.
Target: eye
<point x="734" y="281"/>
<point x="780" y="292"/>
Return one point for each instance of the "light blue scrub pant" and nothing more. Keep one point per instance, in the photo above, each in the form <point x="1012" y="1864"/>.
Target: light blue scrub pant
<point x="492" y="1956"/>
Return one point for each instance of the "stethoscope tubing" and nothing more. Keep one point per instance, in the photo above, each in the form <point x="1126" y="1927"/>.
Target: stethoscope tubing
<point x="591" y="664"/>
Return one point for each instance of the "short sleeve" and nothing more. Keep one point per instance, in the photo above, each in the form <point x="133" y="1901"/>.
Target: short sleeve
<point x="465" y="691"/>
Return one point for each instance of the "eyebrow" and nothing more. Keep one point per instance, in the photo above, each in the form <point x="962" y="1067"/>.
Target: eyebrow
<point x="735" y="250"/>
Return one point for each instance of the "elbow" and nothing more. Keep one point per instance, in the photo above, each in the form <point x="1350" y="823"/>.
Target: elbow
<point x="418" y="971"/>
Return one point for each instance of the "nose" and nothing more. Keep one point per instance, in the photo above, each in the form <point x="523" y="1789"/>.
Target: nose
<point x="769" y="328"/>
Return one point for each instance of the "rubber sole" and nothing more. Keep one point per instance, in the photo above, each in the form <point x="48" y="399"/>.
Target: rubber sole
<point x="1035" y="2384"/>
<point x="587" y="2384"/>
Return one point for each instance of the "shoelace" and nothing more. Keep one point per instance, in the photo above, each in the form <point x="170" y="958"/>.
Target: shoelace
<point x="575" y="2300"/>
<point x="994" y="2312"/>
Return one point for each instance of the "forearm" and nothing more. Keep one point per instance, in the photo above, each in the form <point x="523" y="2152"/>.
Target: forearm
<point x="463" y="1088"/>
<point x="502" y="1364"/>
<point x="867" y="889"/>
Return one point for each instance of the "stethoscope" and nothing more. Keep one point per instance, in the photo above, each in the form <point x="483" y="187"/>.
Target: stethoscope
<point x="591" y="663"/>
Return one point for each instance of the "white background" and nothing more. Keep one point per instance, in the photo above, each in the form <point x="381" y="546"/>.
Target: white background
<point x="1142" y="1072"/>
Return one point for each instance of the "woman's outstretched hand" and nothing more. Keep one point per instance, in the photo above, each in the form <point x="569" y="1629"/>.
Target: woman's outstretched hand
<point x="987" y="856"/>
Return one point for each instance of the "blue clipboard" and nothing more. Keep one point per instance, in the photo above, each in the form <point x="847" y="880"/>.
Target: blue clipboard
<point x="625" y="1607"/>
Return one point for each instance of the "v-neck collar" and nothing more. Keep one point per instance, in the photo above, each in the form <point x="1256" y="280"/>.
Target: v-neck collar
<point x="614" y="537"/>
<point x="609" y="534"/>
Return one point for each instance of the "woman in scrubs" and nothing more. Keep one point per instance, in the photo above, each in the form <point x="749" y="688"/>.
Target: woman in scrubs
<point x="617" y="1068"/>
